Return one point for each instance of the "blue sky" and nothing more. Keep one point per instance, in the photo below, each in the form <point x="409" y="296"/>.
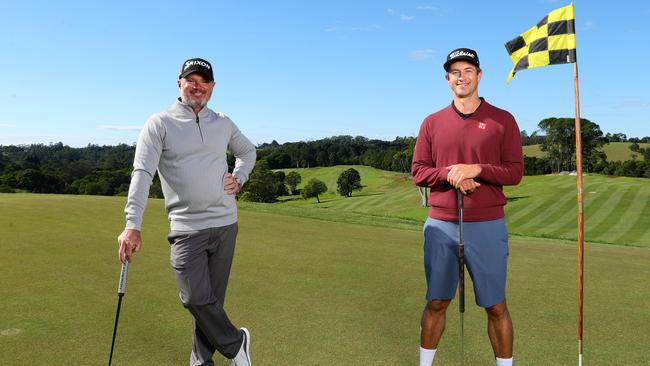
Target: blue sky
<point x="85" y="72"/>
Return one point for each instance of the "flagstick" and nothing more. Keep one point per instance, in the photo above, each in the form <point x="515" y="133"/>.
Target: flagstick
<point x="581" y="243"/>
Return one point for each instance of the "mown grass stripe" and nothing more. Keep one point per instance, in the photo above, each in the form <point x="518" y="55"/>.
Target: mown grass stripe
<point x="632" y="229"/>
<point x="371" y="203"/>
<point x="535" y="221"/>
<point x="558" y="210"/>
<point x="596" y="195"/>
<point x="519" y="213"/>
<point x="355" y="203"/>
<point x="530" y="197"/>
<point x="567" y="227"/>
<point x="639" y="232"/>
<point x="565" y="213"/>
<point x="600" y="222"/>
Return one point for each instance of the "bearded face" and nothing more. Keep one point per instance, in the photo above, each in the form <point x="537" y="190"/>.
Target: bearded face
<point x="195" y="91"/>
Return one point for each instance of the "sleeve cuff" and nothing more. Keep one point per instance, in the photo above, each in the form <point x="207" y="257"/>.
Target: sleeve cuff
<point x="240" y="180"/>
<point x="130" y="224"/>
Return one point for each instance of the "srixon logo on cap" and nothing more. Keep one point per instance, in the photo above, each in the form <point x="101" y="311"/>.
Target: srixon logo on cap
<point x="461" y="53"/>
<point x="196" y="62"/>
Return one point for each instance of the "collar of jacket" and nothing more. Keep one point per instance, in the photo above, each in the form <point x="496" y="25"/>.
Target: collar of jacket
<point x="182" y="111"/>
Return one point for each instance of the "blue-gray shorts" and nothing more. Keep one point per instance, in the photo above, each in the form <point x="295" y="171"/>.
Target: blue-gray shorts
<point x="486" y="254"/>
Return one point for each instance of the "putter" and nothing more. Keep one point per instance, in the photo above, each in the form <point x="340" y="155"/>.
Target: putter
<point x="461" y="270"/>
<point x="121" y="288"/>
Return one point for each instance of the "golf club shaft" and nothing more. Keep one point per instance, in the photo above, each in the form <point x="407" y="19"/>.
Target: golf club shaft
<point x="121" y="289"/>
<point x="117" y="317"/>
<point x="461" y="274"/>
<point x="462" y="336"/>
<point x="461" y="255"/>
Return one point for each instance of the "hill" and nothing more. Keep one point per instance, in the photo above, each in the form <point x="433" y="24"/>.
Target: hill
<point x="617" y="209"/>
<point x="615" y="151"/>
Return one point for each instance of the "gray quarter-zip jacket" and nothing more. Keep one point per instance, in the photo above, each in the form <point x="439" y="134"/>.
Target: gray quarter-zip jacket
<point x="189" y="152"/>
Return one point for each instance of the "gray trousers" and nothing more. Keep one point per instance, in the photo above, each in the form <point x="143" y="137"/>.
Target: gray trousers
<point x="201" y="261"/>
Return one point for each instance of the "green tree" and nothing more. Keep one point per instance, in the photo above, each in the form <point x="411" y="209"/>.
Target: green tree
<point x="293" y="179"/>
<point x="36" y="181"/>
<point x="536" y="166"/>
<point x="617" y="137"/>
<point x="348" y="181"/>
<point x="92" y="189"/>
<point x="280" y="184"/>
<point x="262" y="185"/>
<point x="560" y="143"/>
<point x="532" y="139"/>
<point x="313" y="188"/>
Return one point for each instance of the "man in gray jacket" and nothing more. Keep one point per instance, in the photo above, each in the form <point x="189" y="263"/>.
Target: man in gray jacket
<point x="187" y="144"/>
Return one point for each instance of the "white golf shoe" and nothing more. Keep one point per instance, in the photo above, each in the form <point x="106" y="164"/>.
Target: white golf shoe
<point x="243" y="357"/>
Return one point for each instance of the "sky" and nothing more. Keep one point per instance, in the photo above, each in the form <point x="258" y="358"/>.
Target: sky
<point x="92" y="72"/>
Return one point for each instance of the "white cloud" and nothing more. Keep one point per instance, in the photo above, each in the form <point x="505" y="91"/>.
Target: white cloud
<point x="120" y="127"/>
<point x="422" y="54"/>
<point x="402" y="17"/>
<point x="588" y="25"/>
<point x="6" y="125"/>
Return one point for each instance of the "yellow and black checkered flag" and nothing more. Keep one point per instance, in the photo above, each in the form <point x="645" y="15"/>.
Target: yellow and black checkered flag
<point x="552" y="41"/>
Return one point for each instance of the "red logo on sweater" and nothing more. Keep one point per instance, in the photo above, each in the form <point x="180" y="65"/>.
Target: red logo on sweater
<point x="482" y="125"/>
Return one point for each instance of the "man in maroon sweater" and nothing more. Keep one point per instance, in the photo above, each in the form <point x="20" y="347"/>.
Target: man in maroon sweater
<point x="473" y="147"/>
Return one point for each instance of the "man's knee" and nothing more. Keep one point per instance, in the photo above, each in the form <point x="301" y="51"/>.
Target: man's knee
<point x="194" y="301"/>
<point x="498" y="311"/>
<point x="438" y="306"/>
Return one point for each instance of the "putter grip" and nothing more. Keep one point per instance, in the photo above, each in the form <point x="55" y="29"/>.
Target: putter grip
<point x="121" y="288"/>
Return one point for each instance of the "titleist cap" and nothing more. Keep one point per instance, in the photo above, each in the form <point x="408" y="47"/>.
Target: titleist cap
<point x="461" y="54"/>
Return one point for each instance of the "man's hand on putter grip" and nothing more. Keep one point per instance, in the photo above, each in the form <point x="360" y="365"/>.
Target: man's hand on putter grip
<point x="130" y="242"/>
<point x="459" y="172"/>
<point x="468" y="186"/>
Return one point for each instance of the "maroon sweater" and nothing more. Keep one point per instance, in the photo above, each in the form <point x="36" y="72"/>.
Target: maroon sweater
<point x="489" y="137"/>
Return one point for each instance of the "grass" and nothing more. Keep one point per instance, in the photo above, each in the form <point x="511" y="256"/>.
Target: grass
<point x="615" y="151"/>
<point x="313" y="292"/>
<point x="616" y="209"/>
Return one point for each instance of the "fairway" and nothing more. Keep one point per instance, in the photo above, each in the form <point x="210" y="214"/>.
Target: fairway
<point x="616" y="209"/>
<point x="312" y="292"/>
<point x="615" y="151"/>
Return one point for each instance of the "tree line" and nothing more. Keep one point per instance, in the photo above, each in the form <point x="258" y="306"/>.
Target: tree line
<point x="393" y="155"/>
<point x="106" y="170"/>
<point x="58" y="168"/>
<point x="558" y="141"/>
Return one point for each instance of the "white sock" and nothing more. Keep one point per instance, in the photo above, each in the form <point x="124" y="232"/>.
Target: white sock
<point x="426" y="356"/>
<point x="504" y="361"/>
